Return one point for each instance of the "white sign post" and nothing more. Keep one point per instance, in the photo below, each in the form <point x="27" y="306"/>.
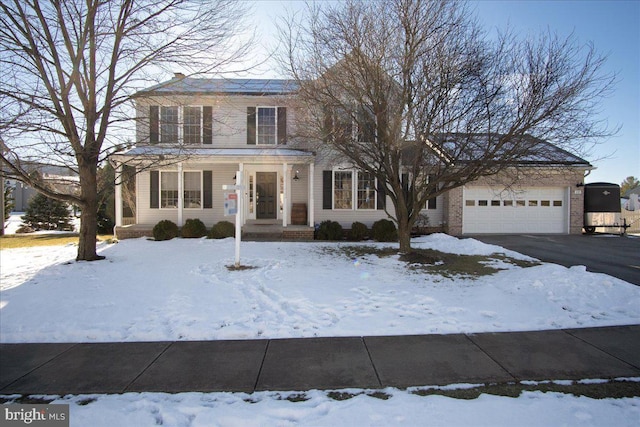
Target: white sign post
<point x="233" y="206"/>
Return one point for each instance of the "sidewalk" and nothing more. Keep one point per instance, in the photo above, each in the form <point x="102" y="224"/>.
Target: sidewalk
<point x="319" y="363"/>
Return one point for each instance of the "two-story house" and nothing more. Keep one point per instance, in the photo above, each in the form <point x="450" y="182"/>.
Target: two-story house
<point x="194" y="135"/>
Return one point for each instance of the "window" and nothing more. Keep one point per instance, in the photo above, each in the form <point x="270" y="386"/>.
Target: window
<point x="469" y="202"/>
<point x="520" y="203"/>
<point x="483" y="203"/>
<point x="180" y="125"/>
<point x="169" y="120"/>
<point x="557" y="203"/>
<point x="192" y="125"/>
<point x="495" y="203"/>
<point x="545" y="203"/>
<point x="192" y="190"/>
<point x="366" y="191"/>
<point x="507" y="203"/>
<point x="533" y="203"/>
<point x="350" y="123"/>
<point x="168" y="189"/>
<point x="342" y="189"/>
<point x="267" y="125"/>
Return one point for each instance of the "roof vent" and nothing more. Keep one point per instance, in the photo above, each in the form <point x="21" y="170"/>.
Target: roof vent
<point x="178" y="76"/>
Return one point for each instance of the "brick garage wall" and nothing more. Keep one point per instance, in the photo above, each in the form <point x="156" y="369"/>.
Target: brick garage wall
<point x="533" y="178"/>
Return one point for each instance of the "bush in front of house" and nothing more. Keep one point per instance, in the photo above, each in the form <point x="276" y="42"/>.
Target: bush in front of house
<point x="222" y="230"/>
<point x="329" y="230"/>
<point x="165" y="230"/>
<point x="358" y="232"/>
<point x="44" y="213"/>
<point x="384" y="230"/>
<point x="193" y="229"/>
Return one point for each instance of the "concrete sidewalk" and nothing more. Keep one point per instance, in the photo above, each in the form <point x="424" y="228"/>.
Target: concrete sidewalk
<point x="319" y="363"/>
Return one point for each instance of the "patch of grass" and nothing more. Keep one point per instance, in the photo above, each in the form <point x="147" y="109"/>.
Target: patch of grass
<point x="240" y="267"/>
<point x="431" y="261"/>
<point x="14" y="241"/>
<point x="609" y="389"/>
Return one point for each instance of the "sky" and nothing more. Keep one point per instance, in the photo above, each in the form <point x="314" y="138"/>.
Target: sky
<point x="612" y="26"/>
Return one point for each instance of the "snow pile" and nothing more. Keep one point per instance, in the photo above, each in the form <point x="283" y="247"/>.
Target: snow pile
<point x="401" y="408"/>
<point x="182" y="290"/>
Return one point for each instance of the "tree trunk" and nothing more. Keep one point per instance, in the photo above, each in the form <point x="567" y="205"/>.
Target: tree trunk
<point x="404" y="235"/>
<point x="89" y="215"/>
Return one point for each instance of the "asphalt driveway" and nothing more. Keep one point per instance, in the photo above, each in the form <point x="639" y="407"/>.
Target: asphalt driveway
<point x="611" y="254"/>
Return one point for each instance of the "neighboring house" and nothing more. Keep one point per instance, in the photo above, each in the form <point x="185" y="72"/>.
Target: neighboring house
<point x="194" y="134"/>
<point x="630" y="212"/>
<point x="58" y="177"/>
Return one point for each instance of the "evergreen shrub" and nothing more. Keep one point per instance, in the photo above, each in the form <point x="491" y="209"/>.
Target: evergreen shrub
<point x="222" y="230"/>
<point x="384" y="230"/>
<point x="165" y="230"/>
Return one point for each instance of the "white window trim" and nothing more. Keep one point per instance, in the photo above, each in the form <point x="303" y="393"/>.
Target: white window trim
<point x="354" y="190"/>
<point x="181" y="125"/>
<point x="180" y="195"/>
<point x="275" y="108"/>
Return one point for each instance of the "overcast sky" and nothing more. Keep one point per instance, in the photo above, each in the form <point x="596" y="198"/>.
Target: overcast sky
<point x="612" y="26"/>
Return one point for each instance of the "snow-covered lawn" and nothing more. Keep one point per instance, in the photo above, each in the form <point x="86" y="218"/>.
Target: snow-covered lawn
<point x="182" y="290"/>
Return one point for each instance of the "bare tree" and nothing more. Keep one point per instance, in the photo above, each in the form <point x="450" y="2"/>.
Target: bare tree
<point x="415" y="93"/>
<point x="70" y="68"/>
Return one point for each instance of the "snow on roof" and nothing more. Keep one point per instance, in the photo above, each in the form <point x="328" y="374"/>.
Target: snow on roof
<point x="179" y="85"/>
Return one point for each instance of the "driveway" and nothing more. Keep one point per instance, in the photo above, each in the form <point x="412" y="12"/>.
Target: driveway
<point x="611" y="254"/>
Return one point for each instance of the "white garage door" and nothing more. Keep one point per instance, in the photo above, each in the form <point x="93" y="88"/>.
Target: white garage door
<point x="526" y="210"/>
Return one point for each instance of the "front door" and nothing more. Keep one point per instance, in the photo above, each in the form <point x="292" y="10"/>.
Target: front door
<point x="266" y="195"/>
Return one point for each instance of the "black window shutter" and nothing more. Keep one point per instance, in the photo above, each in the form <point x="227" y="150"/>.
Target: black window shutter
<point x="282" y="125"/>
<point x="327" y="190"/>
<point x="431" y="203"/>
<point x="382" y="196"/>
<point x="207" y="125"/>
<point x="154" y="125"/>
<point x="154" y="202"/>
<point x="207" y="189"/>
<point x="251" y="125"/>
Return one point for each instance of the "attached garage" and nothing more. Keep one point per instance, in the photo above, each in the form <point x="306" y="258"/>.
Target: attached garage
<point x="524" y="210"/>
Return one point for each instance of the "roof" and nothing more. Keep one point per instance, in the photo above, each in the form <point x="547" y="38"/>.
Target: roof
<point x="189" y="85"/>
<point x="526" y="149"/>
<point x="635" y="190"/>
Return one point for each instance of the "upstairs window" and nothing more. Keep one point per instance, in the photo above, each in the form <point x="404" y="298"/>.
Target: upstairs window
<point x="266" y="125"/>
<point x="190" y="125"/>
<point x="169" y="125"/>
<point x="342" y="124"/>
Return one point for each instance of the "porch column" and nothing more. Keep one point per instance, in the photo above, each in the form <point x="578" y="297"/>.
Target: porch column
<point x="119" y="195"/>
<point x="243" y="194"/>
<point x="285" y="201"/>
<point x="311" y="196"/>
<point x="180" y="194"/>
